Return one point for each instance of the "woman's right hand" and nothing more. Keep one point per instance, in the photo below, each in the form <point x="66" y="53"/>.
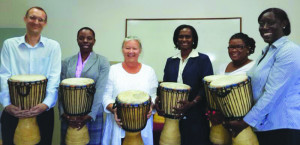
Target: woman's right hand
<point x="235" y="126"/>
<point x="157" y="107"/>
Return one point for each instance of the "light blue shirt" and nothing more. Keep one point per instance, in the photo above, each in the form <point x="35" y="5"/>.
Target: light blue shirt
<point x="18" y="57"/>
<point x="276" y="88"/>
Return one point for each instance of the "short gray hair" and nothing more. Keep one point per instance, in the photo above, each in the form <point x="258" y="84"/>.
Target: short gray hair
<point x="128" y="38"/>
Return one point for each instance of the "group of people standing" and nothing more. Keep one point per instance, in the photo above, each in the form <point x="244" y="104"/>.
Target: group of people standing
<point x="275" y="80"/>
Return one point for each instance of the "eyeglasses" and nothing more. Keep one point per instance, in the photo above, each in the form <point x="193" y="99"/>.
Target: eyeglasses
<point x="34" y="18"/>
<point x="237" y="47"/>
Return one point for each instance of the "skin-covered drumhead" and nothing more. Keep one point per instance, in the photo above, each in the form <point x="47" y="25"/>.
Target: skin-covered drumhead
<point x="210" y="78"/>
<point x="133" y="97"/>
<point x="77" y="81"/>
<point x="27" y="78"/>
<point x="228" y="80"/>
<point x="175" y="86"/>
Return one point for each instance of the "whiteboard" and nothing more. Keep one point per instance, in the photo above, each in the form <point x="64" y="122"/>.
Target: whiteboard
<point x="157" y="39"/>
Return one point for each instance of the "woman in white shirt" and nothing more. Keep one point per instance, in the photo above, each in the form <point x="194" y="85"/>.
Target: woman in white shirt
<point x="128" y="75"/>
<point x="239" y="48"/>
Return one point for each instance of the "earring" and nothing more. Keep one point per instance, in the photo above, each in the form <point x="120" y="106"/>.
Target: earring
<point x="283" y="27"/>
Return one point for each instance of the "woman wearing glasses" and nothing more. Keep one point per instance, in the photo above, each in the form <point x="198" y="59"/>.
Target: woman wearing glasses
<point x="240" y="47"/>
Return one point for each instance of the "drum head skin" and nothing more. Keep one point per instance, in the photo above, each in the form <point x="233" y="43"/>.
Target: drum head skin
<point x="228" y="81"/>
<point x="77" y="81"/>
<point x="27" y="78"/>
<point x="211" y="78"/>
<point x="175" y="86"/>
<point x="133" y="97"/>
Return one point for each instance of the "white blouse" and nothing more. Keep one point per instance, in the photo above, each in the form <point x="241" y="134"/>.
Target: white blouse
<point x="118" y="81"/>
<point x="243" y="70"/>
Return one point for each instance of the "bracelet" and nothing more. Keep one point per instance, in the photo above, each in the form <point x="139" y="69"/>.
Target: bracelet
<point x="195" y="101"/>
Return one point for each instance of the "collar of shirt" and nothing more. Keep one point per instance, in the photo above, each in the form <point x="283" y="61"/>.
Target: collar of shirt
<point x="39" y="44"/>
<point x="182" y="64"/>
<point x="193" y="53"/>
<point x="278" y="43"/>
<point x="80" y="65"/>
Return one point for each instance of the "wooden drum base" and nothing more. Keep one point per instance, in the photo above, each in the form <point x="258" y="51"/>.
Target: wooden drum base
<point x="170" y="134"/>
<point x="27" y="132"/>
<point x="246" y="137"/>
<point x="219" y="135"/>
<point x="133" y="138"/>
<point x="77" y="137"/>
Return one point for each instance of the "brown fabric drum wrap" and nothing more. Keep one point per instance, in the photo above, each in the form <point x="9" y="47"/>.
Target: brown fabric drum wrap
<point x="170" y="94"/>
<point x="234" y="100"/>
<point x="27" y="91"/>
<point x="133" y="115"/>
<point x="77" y="97"/>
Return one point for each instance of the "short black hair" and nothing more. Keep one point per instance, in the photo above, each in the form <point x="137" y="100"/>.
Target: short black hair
<point x="86" y="28"/>
<point x="194" y="35"/>
<point x="250" y="42"/>
<point x="36" y="7"/>
<point x="280" y="15"/>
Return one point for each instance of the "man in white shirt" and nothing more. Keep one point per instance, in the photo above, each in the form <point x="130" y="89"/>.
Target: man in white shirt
<point x="30" y="54"/>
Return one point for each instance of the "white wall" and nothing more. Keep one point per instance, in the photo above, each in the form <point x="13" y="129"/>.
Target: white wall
<point x="107" y="18"/>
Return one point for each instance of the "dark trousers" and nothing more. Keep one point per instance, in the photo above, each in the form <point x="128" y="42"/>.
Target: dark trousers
<point x="194" y="131"/>
<point x="45" y="121"/>
<point x="279" y="137"/>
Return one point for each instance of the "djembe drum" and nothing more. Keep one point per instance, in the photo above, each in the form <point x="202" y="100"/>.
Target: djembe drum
<point x="170" y="94"/>
<point x="27" y="91"/>
<point x="132" y="109"/>
<point x="77" y="95"/>
<point x="233" y="94"/>
<point x="218" y="134"/>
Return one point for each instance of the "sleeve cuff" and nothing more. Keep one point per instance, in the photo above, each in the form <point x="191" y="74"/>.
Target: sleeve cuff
<point x="250" y="120"/>
<point x="50" y="102"/>
<point x="105" y="104"/>
<point x="93" y="115"/>
<point x="5" y="99"/>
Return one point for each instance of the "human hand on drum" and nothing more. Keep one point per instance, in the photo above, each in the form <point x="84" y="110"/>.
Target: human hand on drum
<point x="150" y="111"/>
<point x="118" y="121"/>
<point x="215" y="117"/>
<point x="184" y="107"/>
<point x="16" y="111"/>
<point x="77" y="121"/>
<point x="36" y="110"/>
<point x="235" y="126"/>
<point x="157" y="107"/>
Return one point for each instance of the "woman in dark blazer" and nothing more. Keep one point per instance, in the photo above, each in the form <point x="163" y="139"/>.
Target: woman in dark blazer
<point x="87" y="64"/>
<point x="190" y="67"/>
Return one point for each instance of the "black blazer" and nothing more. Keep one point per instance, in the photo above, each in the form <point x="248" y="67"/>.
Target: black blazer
<point x="194" y="72"/>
